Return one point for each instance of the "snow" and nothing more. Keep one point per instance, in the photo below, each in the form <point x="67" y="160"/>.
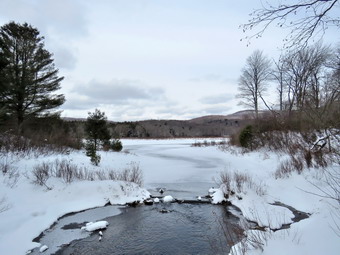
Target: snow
<point x="218" y="196"/>
<point x="93" y="226"/>
<point x="30" y="209"/>
<point x="43" y="248"/>
<point x="168" y="199"/>
<point x="156" y="200"/>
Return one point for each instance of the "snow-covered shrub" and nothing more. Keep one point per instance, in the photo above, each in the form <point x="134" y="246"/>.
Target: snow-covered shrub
<point x="132" y="174"/>
<point x="235" y="182"/>
<point x="320" y="159"/>
<point x="10" y="172"/>
<point x="41" y="173"/>
<point x="4" y="206"/>
<point x="30" y="146"/>
<point x="284" y="169"/>
<point x="66" y="170"/>
<point x="226" y="179"/>
<point x="113" y="175"/>
<point x="240" y="180"/>
<point x="101" y="175"/>
<point x="297" y="164"/>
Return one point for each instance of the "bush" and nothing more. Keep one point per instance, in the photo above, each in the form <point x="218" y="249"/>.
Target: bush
<point x="245" y="137"/>
<point x="226" y="179"/>
<point x="132" y="174"/>
<point x="69" y="172"/>
<point x="116" y="145"/>
<point x="235" y="182"/>
<point x="41" y="173"/>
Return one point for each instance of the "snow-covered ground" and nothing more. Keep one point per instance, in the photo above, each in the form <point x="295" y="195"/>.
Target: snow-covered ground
<point x="28" y="209"/>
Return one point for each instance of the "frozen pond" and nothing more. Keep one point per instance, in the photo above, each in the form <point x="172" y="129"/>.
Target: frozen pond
<point x="184" y="172"/>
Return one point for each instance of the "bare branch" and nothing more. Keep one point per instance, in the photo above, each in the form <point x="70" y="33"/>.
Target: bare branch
<point x="306" y="20"/>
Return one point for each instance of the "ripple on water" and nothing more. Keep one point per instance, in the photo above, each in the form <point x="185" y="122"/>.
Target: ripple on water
<point x="186" y="229"/>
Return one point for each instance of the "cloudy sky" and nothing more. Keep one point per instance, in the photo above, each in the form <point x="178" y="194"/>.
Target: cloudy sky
<point x="145" y="59"/>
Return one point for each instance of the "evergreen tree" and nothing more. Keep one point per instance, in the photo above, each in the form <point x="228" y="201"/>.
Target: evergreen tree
<point x="116" y="145"/>
<point x="28" y="76"/>
<point x="97" y="134"/>
<point x="96" y="129"/>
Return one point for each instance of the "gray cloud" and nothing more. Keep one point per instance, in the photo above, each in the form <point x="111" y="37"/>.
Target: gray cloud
<point x="115" y="92"/>
<point x="217" y="109"/>
<point x="207" y="78"/>
<point x="118" y="91"/>
<point x="60" y="22"/>
<point x="64" y="58"/>
<point x="65" y="18"/>
<point x="217" y="99"/>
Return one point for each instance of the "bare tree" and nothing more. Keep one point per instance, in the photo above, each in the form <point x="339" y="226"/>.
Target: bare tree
<point x="279" y="76"/>
<point x="253" y="80"/>
<point x="305" y="19"/>
<point x="304" y="76"/>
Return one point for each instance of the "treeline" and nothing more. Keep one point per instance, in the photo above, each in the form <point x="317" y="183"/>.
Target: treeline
<point x="169" y="128"/>
<point x="307" y="85"/>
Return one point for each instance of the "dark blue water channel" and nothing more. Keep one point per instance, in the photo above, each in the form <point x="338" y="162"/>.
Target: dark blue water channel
<point x="183" y="229"/>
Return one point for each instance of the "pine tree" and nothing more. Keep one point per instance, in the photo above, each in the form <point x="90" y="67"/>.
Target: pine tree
<point x="28" y="76"/>
<point x="97" y="134"/>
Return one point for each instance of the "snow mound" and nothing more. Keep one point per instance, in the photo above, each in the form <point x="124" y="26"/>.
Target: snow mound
<point x="156" y="200"/>
<point x="218" y="197"/>
<point x="43" y="248"/>
<point x="95" y="226"/>
<point x="212" y="190"/>
<point x="168" y="199"/>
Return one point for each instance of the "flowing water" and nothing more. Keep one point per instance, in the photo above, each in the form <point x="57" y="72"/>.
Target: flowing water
<point x="161" y="228"/>
<point x="182" y="229"/>
<point x="164" y="228"/>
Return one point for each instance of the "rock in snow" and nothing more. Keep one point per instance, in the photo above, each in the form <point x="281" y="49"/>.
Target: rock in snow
<point x="92" y="226"/>
<point x="168" y="199"/>
<point x="43" y="248"/>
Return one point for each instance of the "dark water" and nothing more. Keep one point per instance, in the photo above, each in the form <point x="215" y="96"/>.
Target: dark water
<point x="184" y="229"/>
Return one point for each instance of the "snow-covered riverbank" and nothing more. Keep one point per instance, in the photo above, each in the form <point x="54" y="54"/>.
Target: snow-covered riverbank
<point x="28" y="209"/>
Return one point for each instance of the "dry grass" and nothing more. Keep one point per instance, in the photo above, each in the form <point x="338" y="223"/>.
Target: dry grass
<point x="236" y="182"/>
<point x="68" y="172"/>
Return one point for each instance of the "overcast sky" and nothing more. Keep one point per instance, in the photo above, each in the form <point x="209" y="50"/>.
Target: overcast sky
<point x="145" y="59"/>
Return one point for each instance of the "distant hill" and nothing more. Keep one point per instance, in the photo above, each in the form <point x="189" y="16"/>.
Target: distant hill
<point x="247" y="114"/>
<point x="205" y="126"/>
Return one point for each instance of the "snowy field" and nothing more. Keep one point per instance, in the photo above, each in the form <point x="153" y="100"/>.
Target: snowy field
<point x="27" y="209"/>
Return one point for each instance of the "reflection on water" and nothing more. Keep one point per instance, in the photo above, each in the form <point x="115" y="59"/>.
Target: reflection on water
<point x="185" y="229"/>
